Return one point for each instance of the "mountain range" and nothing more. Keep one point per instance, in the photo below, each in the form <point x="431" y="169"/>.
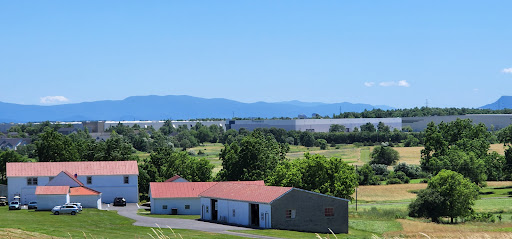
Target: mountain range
<point x="504" y="102"/>
<point x="171" y="107"/>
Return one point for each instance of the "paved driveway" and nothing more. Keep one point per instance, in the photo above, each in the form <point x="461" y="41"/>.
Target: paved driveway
<point x="130" y="211"/>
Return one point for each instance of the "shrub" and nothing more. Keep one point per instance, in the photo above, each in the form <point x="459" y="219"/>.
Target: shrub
<point x="481" y="217"/>
<point x="380" y="169"/>
<point x="394" y="181"/>
<point x="412" y="171"/>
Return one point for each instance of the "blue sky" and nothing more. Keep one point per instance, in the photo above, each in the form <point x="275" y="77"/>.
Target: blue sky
<point x="396" y="53"/>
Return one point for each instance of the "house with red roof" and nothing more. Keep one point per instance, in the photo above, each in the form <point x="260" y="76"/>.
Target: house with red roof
<point x="107" y="179"/>
<point x="181" y="197"/>
<point x="274" y="207"/>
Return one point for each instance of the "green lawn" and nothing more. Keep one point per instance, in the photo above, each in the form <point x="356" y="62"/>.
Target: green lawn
<point x="496" y="192"/>
<point x="143" y="212"/>
<point x="353" y="233"/>
<point x="94" y="223"/>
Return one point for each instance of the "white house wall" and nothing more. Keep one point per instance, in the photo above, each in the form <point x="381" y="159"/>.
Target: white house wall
<point x="87" y="201"/>
<point x="179" y="203"/>
<point x="47" y="202"/>
<point x="206" y="211"/>
<point x="18" y="186"/>
<point x="112" y="186"/>
<point x="242" y="212"/>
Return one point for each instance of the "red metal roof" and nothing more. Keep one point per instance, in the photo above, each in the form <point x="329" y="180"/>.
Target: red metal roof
<point x="178" y="189"/>
<point x="187" y="189"/>
<point x="173" y="178"/>
<point x="52" y="190"/>
<point x="245" y="192"/>
<point x="30" y="169"/>
<point x="82" y="191"/>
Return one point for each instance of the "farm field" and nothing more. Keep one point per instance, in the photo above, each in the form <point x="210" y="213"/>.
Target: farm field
<point x="350" y="153"/>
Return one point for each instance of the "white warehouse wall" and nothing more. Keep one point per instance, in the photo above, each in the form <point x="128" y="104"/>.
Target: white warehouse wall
<point x="179" y="203"/>
<point x="18" y="185"/>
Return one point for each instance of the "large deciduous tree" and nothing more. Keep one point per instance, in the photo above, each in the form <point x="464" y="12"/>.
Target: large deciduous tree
<point x="253" y="158"/>
<point x="384" y="155"/>
<point x="316" y="173"/>
<point x="448" y="194"/>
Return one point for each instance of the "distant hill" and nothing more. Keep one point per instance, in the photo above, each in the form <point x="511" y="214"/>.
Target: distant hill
<point x="170" y="107"/>
<point x="504" y="102"/>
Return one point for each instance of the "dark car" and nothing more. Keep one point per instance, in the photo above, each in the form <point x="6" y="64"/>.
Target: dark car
<point x="32" y="205"/>
<point x="119" y="201"/>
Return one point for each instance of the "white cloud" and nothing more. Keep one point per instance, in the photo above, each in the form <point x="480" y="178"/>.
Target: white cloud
<point x="369" y="84"/>
<point x="53" y="99"/>
<point x="507" y="70"/>
<point x="402" y="83"/>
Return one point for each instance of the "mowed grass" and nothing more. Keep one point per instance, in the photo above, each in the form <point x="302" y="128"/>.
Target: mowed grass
<point x="143" y="212"/>
<point x="93" y="222"/>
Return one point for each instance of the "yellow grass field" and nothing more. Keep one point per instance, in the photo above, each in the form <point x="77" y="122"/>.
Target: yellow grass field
<point x="418" y="229"/>
<point x="375" y="193"/>
<point x="392" y="192"/>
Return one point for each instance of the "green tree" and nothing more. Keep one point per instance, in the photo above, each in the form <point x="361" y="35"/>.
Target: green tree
<point x="322" y="143"/>
<point x="367" y="175"/>
<point x="384" y="155"/>
<point x="55" y="147"/>
<point x="307" y="139"/>
<point x="253" y="158"/>
<point x="368" y="127"/>
<point x="8" y="156"/>
<point x="337" y="128"/>
<point x="452" y="196"/>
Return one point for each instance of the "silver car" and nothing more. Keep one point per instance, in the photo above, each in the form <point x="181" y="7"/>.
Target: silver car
<point x="77" y="204"/>
<point x="71" y="209"/>
<point x="14" y="205"/>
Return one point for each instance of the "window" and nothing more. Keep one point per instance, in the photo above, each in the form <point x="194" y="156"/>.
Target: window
<point x="290" y="213"/>
<point x="32" y="181"/>
<point x="164" y="207"/>
<point x="126" y="180"/>
<point x="187" y="206"/>
<point x="233" y="212"/>
<point x="329" y="212"/>
<point x="206" y="209"/>
<point x="89" y="179"/>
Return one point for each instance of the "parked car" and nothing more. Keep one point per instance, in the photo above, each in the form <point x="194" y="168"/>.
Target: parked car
<point x="71" y="209"/>
<point x="119" y="201"/>
<point x="3" y="201"/>
<point x="14" y="205"/>
<point x="77" y="204"/>
<point x="32" y="205"/>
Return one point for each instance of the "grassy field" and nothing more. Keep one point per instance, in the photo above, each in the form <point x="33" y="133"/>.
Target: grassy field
<point x="94" y="223"/>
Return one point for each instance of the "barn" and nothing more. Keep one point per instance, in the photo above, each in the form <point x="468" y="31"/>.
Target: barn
<point x="274" y="207"/>
<point x="181" y="197"/>
<point x="51" y="196"/>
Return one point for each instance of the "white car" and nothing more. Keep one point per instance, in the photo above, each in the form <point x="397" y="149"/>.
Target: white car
<point x="71" y="209"/>
<point x="77" y="204"/>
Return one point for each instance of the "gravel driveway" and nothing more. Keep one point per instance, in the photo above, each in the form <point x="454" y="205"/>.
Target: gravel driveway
<point x="130" y="211"/>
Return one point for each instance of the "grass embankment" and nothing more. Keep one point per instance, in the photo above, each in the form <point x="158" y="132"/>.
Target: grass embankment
<point x="94" y="223"/>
